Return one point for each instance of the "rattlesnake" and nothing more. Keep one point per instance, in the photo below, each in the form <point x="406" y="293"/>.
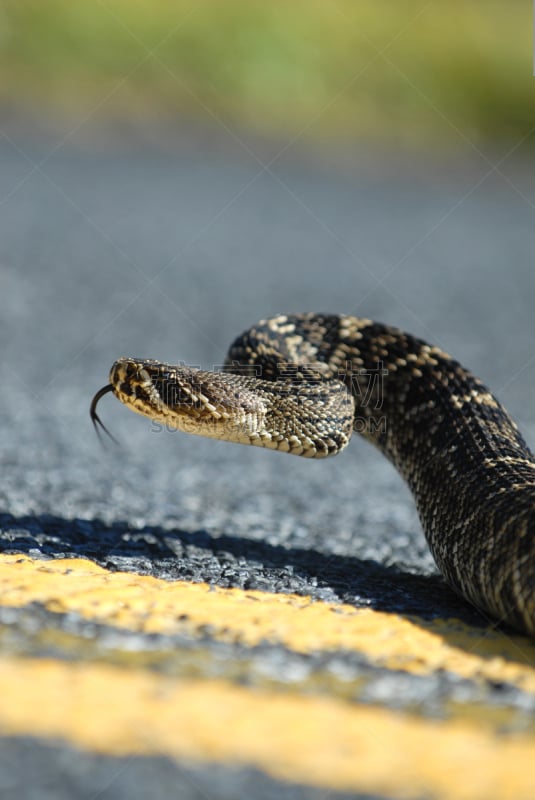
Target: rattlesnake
<point x="303" y="383"/>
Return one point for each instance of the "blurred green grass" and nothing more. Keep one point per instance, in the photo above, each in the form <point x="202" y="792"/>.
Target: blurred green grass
<point x="397" y="70"/>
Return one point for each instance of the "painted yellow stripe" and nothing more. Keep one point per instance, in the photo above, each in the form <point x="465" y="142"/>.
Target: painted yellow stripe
<point x="152" y="605"/>
<point x="312" y="740"/>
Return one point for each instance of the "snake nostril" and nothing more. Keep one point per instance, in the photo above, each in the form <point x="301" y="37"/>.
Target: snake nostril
<point x="124" y="372"/>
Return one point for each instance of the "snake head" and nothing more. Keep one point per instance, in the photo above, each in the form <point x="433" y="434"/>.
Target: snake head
<point x="212" y="404"/>
<point x="301" y="417"/>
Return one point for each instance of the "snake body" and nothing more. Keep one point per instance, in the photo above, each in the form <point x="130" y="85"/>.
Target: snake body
<point x="303" y="383"/>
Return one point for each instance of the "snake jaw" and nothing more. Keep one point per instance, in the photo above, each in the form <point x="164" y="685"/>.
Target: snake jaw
<point x="238" y="408"/>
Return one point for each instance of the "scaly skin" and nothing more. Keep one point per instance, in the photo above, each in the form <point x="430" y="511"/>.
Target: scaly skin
<point x="300" y="384"/>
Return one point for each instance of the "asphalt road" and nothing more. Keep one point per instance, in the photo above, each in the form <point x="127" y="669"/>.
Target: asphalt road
<point x="134" y="250"/>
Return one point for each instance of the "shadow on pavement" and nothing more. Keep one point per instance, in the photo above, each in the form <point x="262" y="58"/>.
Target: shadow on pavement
<point x="235" y="561"/>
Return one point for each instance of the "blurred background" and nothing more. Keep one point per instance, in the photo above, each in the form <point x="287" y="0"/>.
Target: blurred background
<point x="405" y="73"/>
<point x="172" y="172"/>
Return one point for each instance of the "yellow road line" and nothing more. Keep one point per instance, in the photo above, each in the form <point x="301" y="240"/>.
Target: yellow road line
<point x="312" y="740"/>
<point x="152" y="605"/>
